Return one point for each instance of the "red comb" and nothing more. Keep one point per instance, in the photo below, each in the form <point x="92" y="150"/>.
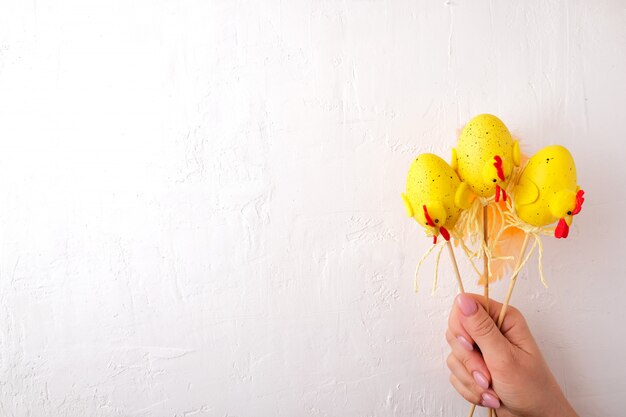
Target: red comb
<point x="498" y="165"/>
<point x="579" y="202"/>
<point x="429" y="221"/>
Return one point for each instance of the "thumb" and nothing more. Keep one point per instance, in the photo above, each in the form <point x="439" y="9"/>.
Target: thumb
<point x="481" y="327"/>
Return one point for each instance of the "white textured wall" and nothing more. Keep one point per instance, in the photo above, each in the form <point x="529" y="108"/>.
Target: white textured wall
<point x="200" y="211"/>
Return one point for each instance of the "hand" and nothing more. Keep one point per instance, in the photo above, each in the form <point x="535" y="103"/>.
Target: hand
<point x="506" y="371"/>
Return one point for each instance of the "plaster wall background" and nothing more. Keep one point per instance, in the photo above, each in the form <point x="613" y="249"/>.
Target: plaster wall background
<point x="200" y="210"/>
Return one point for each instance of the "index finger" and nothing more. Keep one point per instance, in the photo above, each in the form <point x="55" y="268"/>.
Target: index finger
<point x="454" y="323"/>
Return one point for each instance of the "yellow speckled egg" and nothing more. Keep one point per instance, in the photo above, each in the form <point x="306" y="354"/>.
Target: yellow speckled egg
<point x="434" y="194"/>
<point x="547" y="190"/>
<point x="485" y="155"/>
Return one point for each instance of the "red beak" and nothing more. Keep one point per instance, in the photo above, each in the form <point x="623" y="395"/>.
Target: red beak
<point x="562" y="230"/>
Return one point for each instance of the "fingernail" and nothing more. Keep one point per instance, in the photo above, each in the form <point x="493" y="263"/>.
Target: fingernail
<point x="467" y="304"/>
<point x="465" y="343"/>
<point x="481" y="379"/>
<point x="490" y="401"/>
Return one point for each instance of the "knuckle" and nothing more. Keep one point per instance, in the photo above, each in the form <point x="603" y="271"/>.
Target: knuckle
<point x="450" y="361"/>
<point x="466" y="360"/>
<point x="448" y="337"/>
<point x="484" y="326"/>
<point x="514" y="311"/>
<point x="505" y="360"/>
<point x="451" y="378"/>
<point x="465" y="392"/>
<point x="471" y="397"/>
<point x="515" y="314"/>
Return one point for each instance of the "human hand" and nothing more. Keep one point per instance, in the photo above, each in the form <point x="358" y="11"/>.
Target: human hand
<point x="507" y="371"/>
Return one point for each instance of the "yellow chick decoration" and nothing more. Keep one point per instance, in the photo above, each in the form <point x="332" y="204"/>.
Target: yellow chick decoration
<point x="547" y="190"/>
<point x="485" y="155"/>
<point x="434" y="195"/>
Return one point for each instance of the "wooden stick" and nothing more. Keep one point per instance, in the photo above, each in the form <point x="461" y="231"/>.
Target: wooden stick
<point x="507" y="298"/>
<point x="486" y="262"/>
<point x="486" y="258"/>
<point x="459" y="282"/>
<point x="456" y="267"/>
<point x="490" y="414"/>
<point x="486" y="274"/>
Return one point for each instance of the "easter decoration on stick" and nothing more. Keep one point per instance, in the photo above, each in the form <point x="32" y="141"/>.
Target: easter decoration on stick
<point x="547" y="190"/>
<point x="544" y="191"/>
<point x="484" y="158"/>
<point x="435" y="197"/>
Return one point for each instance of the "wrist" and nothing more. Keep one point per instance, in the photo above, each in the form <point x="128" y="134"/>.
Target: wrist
<point x="561" y="408"/>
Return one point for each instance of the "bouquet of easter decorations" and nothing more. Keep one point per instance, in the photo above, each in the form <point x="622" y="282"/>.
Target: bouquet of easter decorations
<point x="491" y="201"/>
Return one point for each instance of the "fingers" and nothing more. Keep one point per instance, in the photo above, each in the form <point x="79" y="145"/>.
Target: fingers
<point x="514" y="326"/>
<point x="485" y="399"/>
<point x="454" y="320"/>
<point x="474" y="381"/>
<point x="482" y="329"/>
<point x="468" y="394"/>
<point x="483" y="355"/>
<point x="472" y="384"/>
<point x="471" y="361"/>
